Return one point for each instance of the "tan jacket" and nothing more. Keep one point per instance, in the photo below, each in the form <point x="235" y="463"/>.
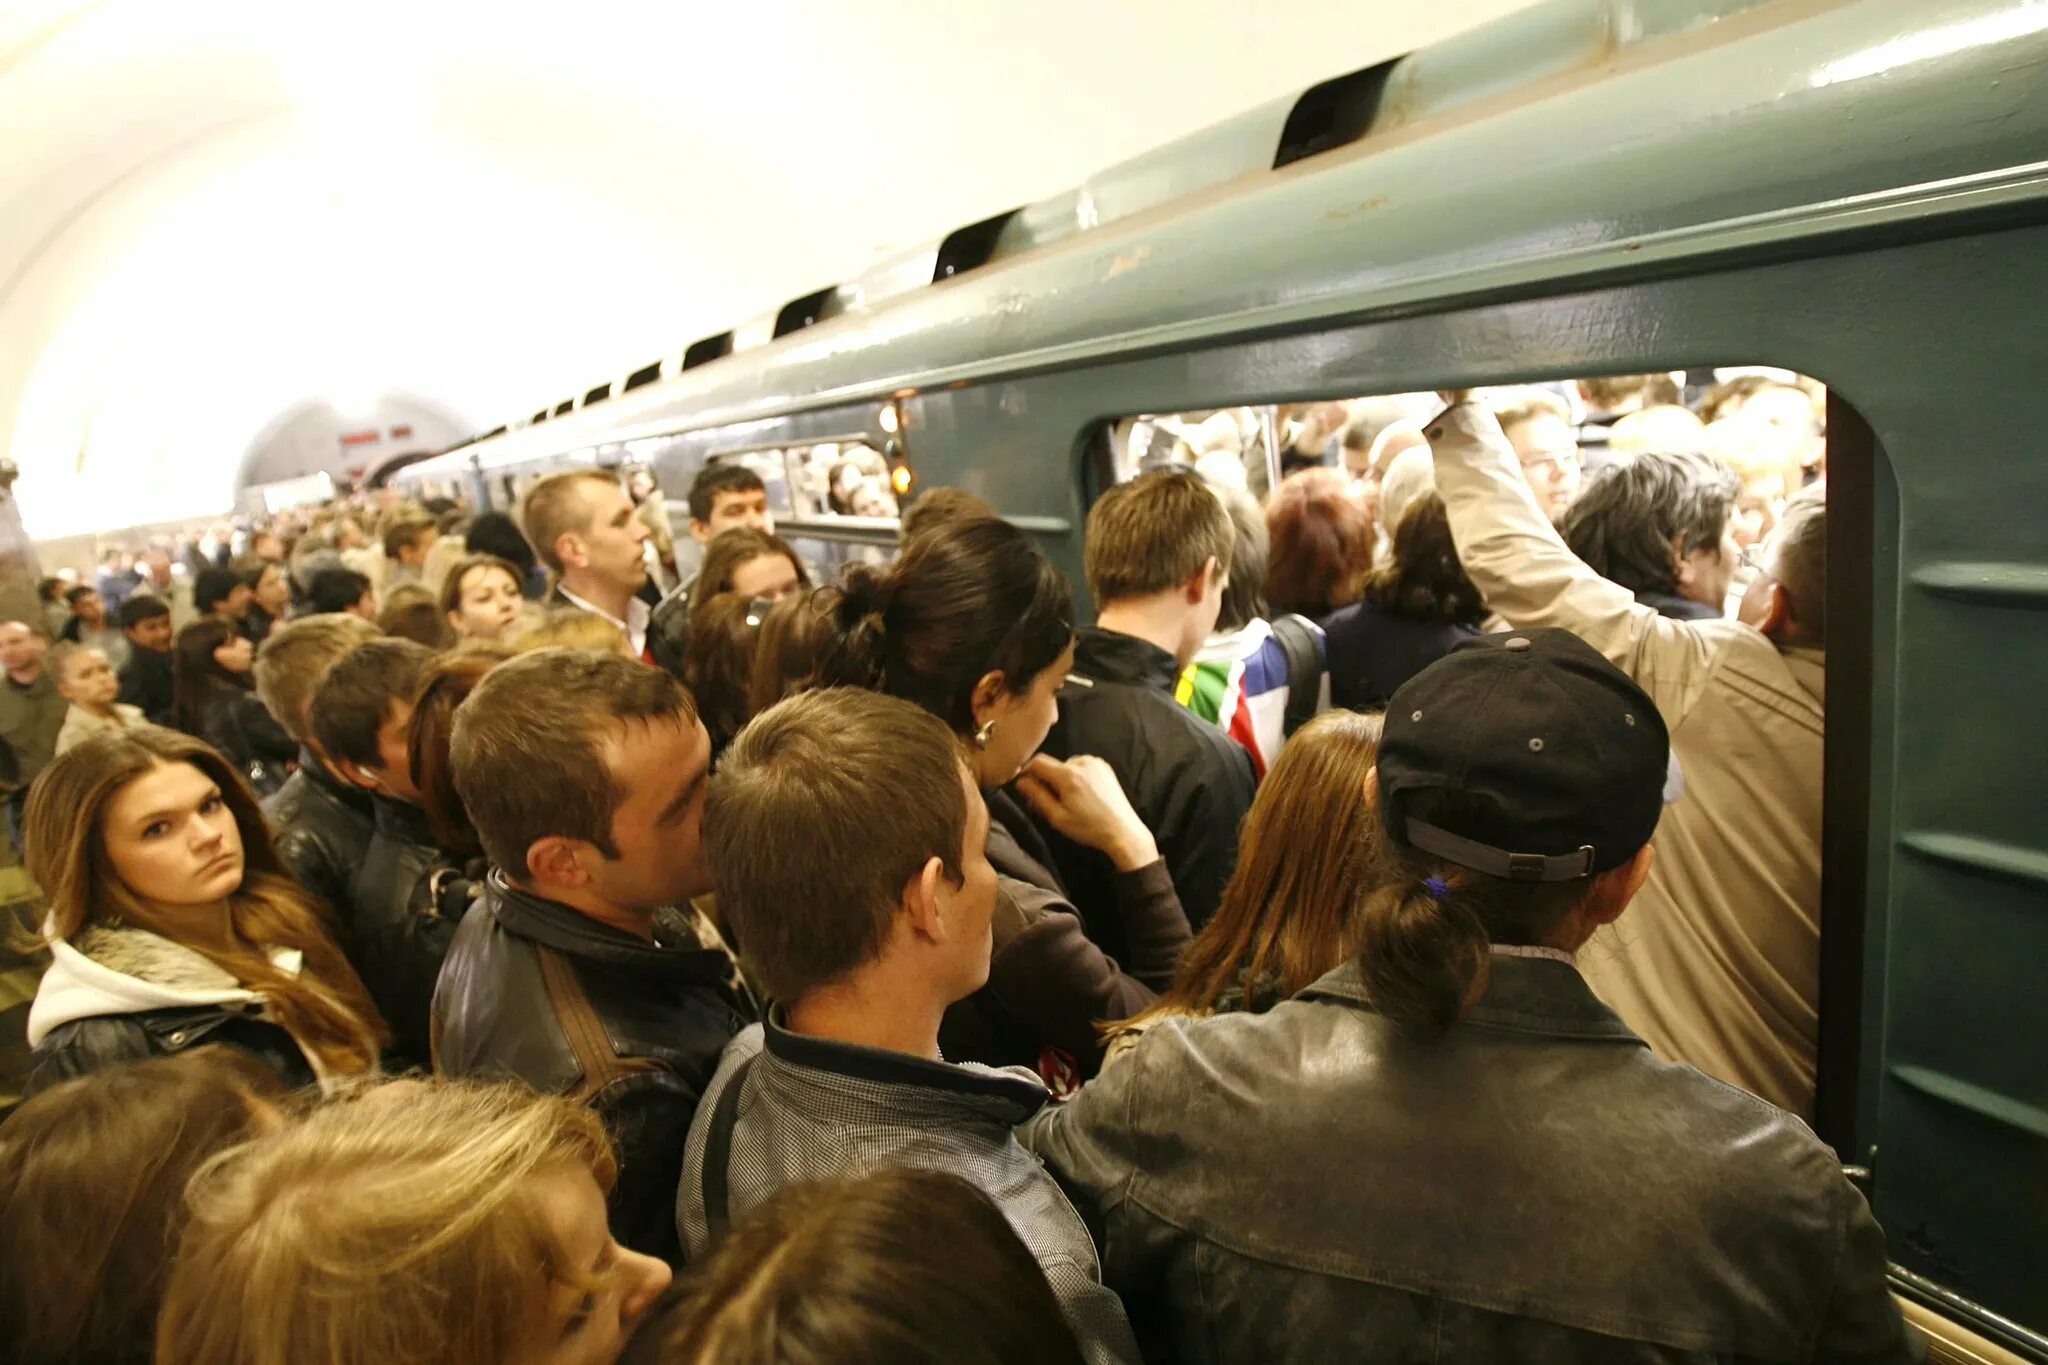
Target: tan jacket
<point x="81" y="724"/>
<point x="1718" y="961"/>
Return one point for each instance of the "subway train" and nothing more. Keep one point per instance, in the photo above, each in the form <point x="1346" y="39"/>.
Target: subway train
<point x="1854" y="190"/>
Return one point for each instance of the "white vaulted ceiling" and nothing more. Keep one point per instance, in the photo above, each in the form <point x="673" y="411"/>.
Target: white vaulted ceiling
<point x="218" y="213"/>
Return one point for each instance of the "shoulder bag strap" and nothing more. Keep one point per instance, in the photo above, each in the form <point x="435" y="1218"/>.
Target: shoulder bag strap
<point x="718" y="1152"/>
<point x="1298" y="639"/>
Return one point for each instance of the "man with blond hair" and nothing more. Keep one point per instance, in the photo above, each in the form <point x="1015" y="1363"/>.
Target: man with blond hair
<point x="582" y="526"/>
<point x="1158" y="558"/>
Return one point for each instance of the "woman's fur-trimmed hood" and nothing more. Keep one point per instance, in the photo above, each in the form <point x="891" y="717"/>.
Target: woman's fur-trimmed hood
<point x="108" y="970"/>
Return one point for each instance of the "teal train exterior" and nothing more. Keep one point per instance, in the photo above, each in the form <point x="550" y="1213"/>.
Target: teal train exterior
<point x="1853" y="189"/>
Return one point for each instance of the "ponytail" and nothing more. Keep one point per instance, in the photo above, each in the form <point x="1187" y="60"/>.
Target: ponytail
<point x="1423" y="952"/>
<point x="1425" y="933"/>
<point x="863" y="657"/>
<point x="952" y="609"/>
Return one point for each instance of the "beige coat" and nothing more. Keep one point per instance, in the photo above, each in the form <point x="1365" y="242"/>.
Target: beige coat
<point x="1717" y="963"/>
<point x="81" y="725"/>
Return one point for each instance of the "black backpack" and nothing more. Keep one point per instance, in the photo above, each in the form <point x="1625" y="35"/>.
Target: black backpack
<point x="1302" y="641"/>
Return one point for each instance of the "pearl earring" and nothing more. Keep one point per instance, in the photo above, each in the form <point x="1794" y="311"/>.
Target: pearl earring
<point x="984" y="734"/>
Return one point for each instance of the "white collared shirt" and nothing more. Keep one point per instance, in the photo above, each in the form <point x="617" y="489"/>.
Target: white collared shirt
<point x="1532" y="950"/>
<point x="638" y="613"/>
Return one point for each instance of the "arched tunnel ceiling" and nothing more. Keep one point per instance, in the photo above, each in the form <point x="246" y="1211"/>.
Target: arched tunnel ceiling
<point x="215" y="211"/>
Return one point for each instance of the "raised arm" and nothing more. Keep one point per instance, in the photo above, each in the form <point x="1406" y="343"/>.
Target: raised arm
<point x="1528" y="575"/>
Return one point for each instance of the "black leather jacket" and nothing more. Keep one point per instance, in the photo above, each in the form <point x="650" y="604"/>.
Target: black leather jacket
<point x="322" y="828"/>
<point x="1306" y="1185"/>
<point x="535" y="990"/>
<point x="111" y="996"/>
<point x="84" y="1046"/>
<point x="406" y="899"/>
<point x="1189" y="782"/>
<point x="668" y="628"/>
<point x="146" y="682"/>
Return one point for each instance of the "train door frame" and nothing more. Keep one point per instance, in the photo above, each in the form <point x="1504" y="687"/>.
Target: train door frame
<point x="1840" y="331"/>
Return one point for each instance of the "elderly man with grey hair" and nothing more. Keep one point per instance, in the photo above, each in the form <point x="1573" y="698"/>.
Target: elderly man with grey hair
<point x="1723" y="969"/>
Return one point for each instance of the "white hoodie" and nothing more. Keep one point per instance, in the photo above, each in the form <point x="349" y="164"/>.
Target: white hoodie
<point x="130" y="971"/>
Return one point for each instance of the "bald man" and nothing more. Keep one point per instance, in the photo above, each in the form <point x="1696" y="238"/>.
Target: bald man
<point x="31" y="714"/>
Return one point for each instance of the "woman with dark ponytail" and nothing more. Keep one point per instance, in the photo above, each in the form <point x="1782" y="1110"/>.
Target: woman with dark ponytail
<point x="1416" y="608"/>
<point x="1449" y="1148"/>
<point x="977" y="627"/>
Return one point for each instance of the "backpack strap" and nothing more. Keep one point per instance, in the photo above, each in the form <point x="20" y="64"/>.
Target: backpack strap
<point x="1302" y="641"/>
<point x="718" y="1152"/>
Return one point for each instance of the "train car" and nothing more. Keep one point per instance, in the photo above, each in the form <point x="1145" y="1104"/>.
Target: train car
<point x="1854" y="190"/>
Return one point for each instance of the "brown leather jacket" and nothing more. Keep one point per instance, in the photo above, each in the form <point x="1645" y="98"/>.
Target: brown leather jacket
<point x="1718" y="964"/>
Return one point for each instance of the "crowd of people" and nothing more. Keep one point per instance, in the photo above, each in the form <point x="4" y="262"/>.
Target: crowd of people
<point x="1389" y="930"/>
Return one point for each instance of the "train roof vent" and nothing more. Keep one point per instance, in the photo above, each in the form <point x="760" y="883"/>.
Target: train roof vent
<point x="597" y="395"/>
<point x="565" y="407"/>
<point x="808" y="311"/>
<point x="646" y="374"/>
<point x="1333" y="113"/>
<point x="970" y="246"/>
<point x="538" y="418"/>
<point x="704" y="350"/>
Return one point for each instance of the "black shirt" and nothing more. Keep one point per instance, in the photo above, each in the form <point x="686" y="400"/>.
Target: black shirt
<point x="146" y="682"/>
<point x="1189" y="782"/>
<point x="1370" y="652"/>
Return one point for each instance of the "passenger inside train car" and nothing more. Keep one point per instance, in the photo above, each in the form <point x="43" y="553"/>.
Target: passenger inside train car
<point x="1726" y="974"/>
<point x="1372" y="700"/>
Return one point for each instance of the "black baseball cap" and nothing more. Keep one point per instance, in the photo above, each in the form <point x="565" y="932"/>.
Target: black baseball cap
<point x="1570" y="757"/>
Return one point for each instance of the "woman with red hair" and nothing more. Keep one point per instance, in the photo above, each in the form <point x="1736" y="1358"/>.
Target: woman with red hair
<point x="1321" y="544"/>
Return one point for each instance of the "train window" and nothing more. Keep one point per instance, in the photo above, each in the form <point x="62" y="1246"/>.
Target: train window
<point x="835" y="500"/>
<point x="1766" y="425"/>
<point x="1347" y="487"/>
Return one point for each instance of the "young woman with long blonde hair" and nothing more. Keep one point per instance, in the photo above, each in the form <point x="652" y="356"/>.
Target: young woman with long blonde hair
<point x="446" y="1222"/>
<point x="172" y="922"/>
<point x="1288" y="914"/>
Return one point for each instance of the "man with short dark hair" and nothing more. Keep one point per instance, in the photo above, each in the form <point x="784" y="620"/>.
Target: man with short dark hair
<point x="342" y="590"/>
<point x="362" y="713"/>
<point x="849" y="845"/>
<point x="1663" y="527"/>
<point x="89" y="625"/>
<point x="146" y="677"/>
<point x="221" y="592"/>
<point x="1448" y="1148"/>
<point x="725" y="494"/>
<point x="322" y="821"/>
<point x="1158" y="556"/>
<point x="1722" y="968"/>
<point x="583" y="527"/>
<point x="583" y="970"/>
